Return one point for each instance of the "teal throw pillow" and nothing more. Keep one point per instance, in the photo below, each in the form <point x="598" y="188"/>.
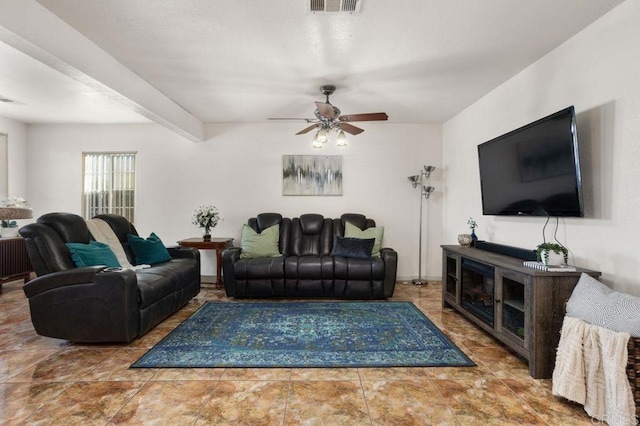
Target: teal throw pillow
<point x="149" y="251"/>
<point x="352" y="231"/>
<point x="264" y="244"/>
<point x="92" y="254"/>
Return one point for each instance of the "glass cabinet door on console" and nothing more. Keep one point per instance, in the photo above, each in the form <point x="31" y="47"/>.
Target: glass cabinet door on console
<point x="478" y="289"/>
<point x="451" y="277"/>
<point x="512" y="304"/>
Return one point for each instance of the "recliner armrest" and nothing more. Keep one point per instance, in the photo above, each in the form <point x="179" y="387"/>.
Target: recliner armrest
<point x="71" y="277"/>
<point x="177" y="252"/>
<point x="232" y="254"/>
<point x="390" y="258"/>
<point x="229" y="257"/>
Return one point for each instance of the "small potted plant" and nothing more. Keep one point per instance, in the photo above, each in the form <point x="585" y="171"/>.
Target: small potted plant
<point x="206" y="217"/>
<point x="552" y="254"/>
<point x="9" y="228"/>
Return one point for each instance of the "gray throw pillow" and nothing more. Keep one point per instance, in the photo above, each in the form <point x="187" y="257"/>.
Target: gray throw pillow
<point x="597" y="304"/>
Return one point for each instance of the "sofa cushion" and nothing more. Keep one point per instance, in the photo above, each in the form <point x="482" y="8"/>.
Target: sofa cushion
<point x="597" y="304"/>
<point x="352" y="231"/>
<point x="264" y="244"/>
<point x="358" y="269"/>
<point x="258" y="268"/>
<point x="352" y="247"/>
<point x="185" y="270"/>
<point x="154" y="285"/>
<point x="149" y="251"/>
<point x="92" y="254"/>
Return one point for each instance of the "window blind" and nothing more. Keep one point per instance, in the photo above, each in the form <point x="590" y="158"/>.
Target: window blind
<point x="109" y="184"/>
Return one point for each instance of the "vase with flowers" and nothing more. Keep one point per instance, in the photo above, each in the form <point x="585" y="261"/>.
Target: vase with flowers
<point x="473" y="225"/>
<point x="206" y="217"/>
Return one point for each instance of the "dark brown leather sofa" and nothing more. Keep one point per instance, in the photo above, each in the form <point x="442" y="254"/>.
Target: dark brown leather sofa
<point x="97" y="304"/>
<point x="306" y="267"/>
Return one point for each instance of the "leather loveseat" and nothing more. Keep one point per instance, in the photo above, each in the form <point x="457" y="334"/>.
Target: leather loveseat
<point x="306" y="267"/>
<point x="96" y="303"/>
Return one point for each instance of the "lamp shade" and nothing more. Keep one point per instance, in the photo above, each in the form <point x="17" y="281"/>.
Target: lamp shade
<point x="322" y="135"/>
<point x="11" y="213"/>
<point x="414" y="180"/>
<point x="427" y="190"/>
<point x="342" y="139"/>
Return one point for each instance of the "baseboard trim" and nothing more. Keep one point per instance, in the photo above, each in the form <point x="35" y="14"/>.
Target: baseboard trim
<point x="408" y="280"/>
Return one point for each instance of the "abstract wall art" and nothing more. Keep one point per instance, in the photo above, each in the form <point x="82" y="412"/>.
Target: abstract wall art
<point x="312" y="175"/>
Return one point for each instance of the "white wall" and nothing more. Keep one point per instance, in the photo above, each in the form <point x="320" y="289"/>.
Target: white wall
<point x="238" y="169"/>
<point x="16" y="156"/>
<point x="598" y="71"/>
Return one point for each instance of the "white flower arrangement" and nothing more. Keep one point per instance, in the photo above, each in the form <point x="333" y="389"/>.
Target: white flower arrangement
<point x="206" y="217"/>
<point x="14" y="201"/>
<point x="472" y="224"/>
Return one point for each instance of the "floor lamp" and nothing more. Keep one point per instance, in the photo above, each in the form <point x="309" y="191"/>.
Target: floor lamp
<point x="425" y="191"/>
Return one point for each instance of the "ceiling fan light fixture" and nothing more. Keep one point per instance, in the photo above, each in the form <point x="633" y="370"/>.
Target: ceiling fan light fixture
<point x="322" y="135"/>
<point x="316" y="142"/>
<point x="329" y="118"/>
<point x="342" y="139"/>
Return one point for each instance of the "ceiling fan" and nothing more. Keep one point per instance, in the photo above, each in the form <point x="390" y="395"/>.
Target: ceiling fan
<point x="328" y="117"/>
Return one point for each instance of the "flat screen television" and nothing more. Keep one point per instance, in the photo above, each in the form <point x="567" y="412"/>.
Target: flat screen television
<point x="533" y="170"/>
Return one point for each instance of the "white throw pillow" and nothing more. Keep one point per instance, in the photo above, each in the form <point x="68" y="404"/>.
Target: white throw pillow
<point x="597" y="304"/>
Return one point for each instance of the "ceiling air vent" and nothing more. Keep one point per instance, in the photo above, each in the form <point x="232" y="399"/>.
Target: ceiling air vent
<point x="349" y="6"/>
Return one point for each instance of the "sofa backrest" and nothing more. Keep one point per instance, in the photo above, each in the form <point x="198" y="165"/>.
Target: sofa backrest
<point x="309" y="234"/>
<point x="355" y="219"/>
<point x="46" y="240"/>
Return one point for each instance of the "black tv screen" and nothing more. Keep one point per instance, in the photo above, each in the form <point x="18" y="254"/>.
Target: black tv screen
<point x="533" y="170"/>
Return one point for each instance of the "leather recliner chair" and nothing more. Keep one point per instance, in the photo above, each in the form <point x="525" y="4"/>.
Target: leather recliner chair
<point x="95" y="303"/>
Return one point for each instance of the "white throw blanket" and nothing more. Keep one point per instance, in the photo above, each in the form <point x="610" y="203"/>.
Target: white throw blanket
<point x="590" y="370"/>
<point x="103" y="233"/>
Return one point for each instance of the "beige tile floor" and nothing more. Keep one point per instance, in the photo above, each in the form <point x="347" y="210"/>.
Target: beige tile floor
<point x="48" y="381"/>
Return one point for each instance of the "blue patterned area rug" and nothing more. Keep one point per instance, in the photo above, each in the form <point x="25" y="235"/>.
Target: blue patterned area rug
<point x="305" y="334"/>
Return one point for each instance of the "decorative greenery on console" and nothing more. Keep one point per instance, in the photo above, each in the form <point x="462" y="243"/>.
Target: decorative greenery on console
<point x="543" y="251"/>
<point x="9" y="224"/>
<point x="472" y="224"/>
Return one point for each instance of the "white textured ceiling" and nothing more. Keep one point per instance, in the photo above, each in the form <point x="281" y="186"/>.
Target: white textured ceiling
<point x="421" y="61"/>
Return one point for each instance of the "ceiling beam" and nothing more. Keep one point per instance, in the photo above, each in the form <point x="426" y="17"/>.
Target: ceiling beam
<point x="34" y="30"/>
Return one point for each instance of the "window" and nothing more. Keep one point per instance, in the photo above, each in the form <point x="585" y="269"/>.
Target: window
<point x="109" y="183"/>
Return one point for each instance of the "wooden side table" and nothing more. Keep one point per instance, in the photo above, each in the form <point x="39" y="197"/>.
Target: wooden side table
<point x="217" y="244"/>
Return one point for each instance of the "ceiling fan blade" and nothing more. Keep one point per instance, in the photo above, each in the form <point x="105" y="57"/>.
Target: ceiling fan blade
<point x="349" y="128"/>
<point x="325" y="110"/>
<point x="373" y="116"/>
<point x="307" y="129"/>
